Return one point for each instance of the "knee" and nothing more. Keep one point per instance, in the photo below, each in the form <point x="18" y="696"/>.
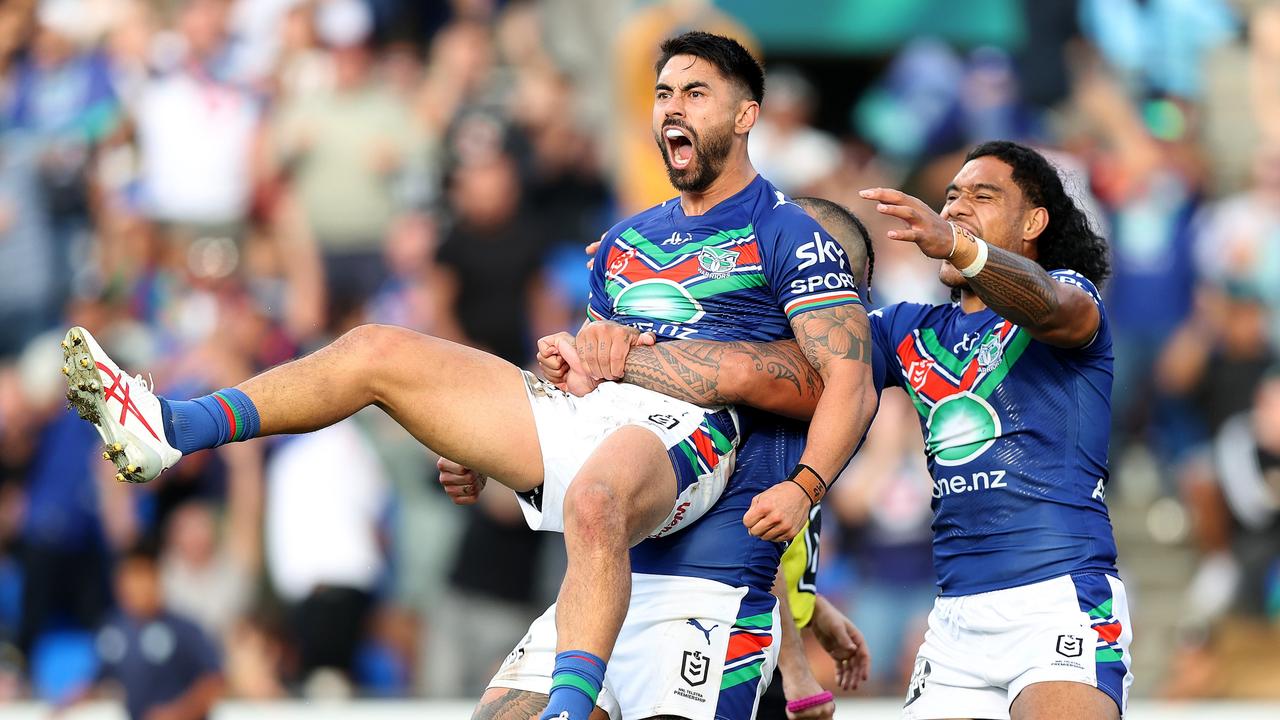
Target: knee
<point x="373" y="342"/>
<point x="593" y="512"/>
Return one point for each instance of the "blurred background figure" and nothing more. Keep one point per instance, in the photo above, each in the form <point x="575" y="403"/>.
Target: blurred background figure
<point x="326" y="496"/>
<point x="785" y="146"/>
<point x="166" y="666"/>
<point x="344" y="147"/>
<point x="215" y="186"/>
<point x="1235" y="596"/>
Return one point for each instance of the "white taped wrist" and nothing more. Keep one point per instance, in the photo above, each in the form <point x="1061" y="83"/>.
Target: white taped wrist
<point x="979" y="262"/>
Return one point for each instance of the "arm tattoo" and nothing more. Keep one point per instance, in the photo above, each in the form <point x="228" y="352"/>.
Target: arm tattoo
<point x="693" y="370"/>
<point x="839" y="333"/>
<point x="511" y="705"/>
<point x="1016" y="288"/>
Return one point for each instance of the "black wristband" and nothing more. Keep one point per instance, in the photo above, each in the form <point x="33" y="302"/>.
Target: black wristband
<point x="810" y="482"/>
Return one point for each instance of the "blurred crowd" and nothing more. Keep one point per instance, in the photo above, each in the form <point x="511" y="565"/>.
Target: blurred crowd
<point x="216" y="186"/>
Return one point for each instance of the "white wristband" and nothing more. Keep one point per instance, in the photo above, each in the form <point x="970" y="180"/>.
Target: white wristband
<point x="979" y="262"/>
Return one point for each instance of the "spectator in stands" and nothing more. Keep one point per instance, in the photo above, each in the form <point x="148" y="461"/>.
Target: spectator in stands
<point x="197" y="128"/>
<point x="62" y="107"/>
<point x="1237" y="242"/>
<point x="785" y="146"/>
<point x="205" y="577"/>
<point x="167" y="667"/>
<point x="487" y="282"/>
<point x="343" y="149"/>
<point x="326" y="496"/>
<point x="1235" y="509"/>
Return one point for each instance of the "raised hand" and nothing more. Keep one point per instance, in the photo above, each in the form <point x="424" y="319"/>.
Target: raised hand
<point x="925" y="227"/>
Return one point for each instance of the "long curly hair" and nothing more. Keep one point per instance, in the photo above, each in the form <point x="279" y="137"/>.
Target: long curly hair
<point x="1069" y="241"/>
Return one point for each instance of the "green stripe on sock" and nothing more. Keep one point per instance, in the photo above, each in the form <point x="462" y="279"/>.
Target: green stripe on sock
<point x="571" y="680"/>
<point x="763" y="620"/>
<point x="236" y="424"/>
<point x="741" y="675"/>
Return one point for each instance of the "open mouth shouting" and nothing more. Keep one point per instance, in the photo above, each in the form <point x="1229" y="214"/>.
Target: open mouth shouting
<point x="679" y="146"/>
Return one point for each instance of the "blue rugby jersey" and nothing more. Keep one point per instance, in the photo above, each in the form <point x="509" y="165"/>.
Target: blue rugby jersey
<point x="1016" y="435"/>
<point x="740" y="271"/>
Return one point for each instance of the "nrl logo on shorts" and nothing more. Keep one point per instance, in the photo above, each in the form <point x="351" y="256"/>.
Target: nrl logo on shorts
<point x="694" y="667"/>
<point x="1070" y="645"/>
<point x="717" y="263"/>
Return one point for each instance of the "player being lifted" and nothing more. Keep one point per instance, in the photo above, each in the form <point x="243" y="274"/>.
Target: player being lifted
<point x="732" y="259"/>
<point x="1012" y="382"/>
<point x="664" y="665"/>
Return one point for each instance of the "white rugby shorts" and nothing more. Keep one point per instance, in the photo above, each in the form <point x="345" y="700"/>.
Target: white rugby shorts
<point x="981" y="650"/>
<point x="689" y="647"/>
<point x="702" y="444"/>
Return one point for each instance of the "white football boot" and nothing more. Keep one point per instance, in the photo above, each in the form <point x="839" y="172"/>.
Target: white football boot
<point x="123" y="409"/>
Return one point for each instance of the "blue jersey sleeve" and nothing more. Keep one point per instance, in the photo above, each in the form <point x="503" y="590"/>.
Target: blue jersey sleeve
<point x="805" y="268"/>
<point x="1100" y="343"/>
<point x="884" y="361"/>
<point x="599" y="305"/>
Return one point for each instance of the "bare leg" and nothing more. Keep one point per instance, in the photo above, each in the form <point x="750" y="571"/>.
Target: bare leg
<point x="462" y="403"/>
<point x="500" y="703"/>
<point x="621" y="494"/>
<point x="1063" y="701"/>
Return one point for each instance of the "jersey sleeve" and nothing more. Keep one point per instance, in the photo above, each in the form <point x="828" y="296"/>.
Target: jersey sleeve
<point x="599" y="306"/>
<point x="884" y="361"/>
<point x="806" y="269"/>
<point x="1100" y="343"/>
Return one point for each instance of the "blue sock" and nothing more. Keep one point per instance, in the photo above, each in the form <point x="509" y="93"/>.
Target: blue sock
<point x="575" y="685"/>
<point x="226" y="416"/>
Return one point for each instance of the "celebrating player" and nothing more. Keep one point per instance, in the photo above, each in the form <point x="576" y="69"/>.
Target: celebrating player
<point x="1012" y="382"/>
<point x="664" y="660"/>
<point x="732" y="259"/>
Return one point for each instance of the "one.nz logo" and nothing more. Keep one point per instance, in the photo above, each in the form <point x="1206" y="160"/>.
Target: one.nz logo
<point x="1070" y="645"/>
<point x="694" y="668"/>
<point x="717" y="263"/>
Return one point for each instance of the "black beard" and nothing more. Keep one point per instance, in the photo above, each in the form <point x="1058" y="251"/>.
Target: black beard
<point x="709" y="161"/>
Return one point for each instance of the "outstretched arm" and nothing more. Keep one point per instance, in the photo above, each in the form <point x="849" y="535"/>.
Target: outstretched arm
<point x="1015" y="287"/>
